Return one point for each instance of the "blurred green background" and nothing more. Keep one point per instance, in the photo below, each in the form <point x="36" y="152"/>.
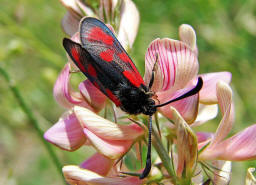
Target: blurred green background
<point x="31" y="51"/>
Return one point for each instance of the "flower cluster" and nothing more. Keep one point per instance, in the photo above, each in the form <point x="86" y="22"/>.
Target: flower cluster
<point x="190" y="157"/>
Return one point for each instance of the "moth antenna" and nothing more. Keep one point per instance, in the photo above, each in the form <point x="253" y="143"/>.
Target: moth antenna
<point x="148" y="161"/>
<point x="153" y="73"/>
<point x="192" y="92"/>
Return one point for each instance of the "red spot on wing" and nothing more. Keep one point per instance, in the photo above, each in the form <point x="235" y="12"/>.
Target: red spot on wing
<point x="113" y="97"/>
<point x="91" y="71"/>
<point x="133" y="78"/>
<point x="97" y="34"/>
<point x="76" y="57"/>
<point x="107" y="55"/>
<point x="124" y="57"/>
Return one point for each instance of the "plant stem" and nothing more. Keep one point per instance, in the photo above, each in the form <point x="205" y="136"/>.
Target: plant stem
<point x="32" y="119"/>
<point x="164" y="156"/>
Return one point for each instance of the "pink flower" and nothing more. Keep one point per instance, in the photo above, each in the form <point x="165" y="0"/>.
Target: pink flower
<point x="97" y="170"/>
<point x="81" y="126"/>
<point x="239" y="147"/>
<point x="109" y="10"/>
<point x="177" y="68"/>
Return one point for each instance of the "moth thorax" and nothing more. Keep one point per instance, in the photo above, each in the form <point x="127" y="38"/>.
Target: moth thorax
<point x="136" y="101"/>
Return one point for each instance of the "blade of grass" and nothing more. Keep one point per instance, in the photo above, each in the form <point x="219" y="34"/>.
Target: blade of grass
<point x="32" y="119"/>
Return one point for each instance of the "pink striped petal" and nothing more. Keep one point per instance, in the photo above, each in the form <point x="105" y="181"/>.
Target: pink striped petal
<point x="64" y="94"/>
<point x="187" y="107"/>
<point x="105" y="128"/>
<point x="98" y="163"/>
<point x="113" y="149"/>
<point x="177" y="62"/>
<point x="67" y="133"/>
<point x="129" y="24"/>
<point x="93" y="96"/>
<point x="224" y="96"/>
<point x="239" y="147"/>
<point x="208" y="93"/>
<point x="77" y="176"/>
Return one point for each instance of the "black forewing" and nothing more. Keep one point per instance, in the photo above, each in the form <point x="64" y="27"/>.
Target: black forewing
<point x="96" y="42"/>
<point x="87" y="64"/>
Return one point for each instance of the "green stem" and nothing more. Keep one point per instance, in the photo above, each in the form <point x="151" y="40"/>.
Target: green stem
<point x="164" y="156"/>
<point x="32" y="119"/>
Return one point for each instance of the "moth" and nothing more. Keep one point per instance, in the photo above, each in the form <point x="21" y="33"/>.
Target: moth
<point x="103" y="60"/>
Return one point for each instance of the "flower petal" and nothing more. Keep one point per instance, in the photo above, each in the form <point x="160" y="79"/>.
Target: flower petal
<point x="207" y="94"/>
<point x="77" y="176"/>
<point x="224" y="96"/>
<point x="222" y="174"/>
<point x="71" y="6"/>
<point x="241" y="146"/>
<point x="187" y="107"/>
<point x="177" y="61"/>
<point x="129" y="23"/>
<point x="64" y="94"/>
<point x="186" y="144"/>
<point x="203" y="138"/>
<point x="205" y="113"/>
<point x="70" y="24"/>
<point x="113" y="149"/>
<point x="105" y="128"/>
<point x="98" y="163"/>
<point x="93" y="96"/>
<point x="67" y="133"/>
<point x="188" y="35"/>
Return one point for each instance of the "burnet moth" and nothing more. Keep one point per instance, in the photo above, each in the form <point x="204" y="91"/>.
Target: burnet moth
<point x="107" y="65"/>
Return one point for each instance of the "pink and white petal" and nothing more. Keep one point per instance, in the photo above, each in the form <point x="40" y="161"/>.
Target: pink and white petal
<point x="129" y="24"/>
<point x="92" y="95"/>
<point x="224" y="96"/>
<point x="86" y="10"/>
<point x="64" y="94"/>
<point x="204" y="138"/>
<point x="77" y="176"/>
<point x="187" y="107"/>
<point x="207" y="94"/>
<point x="71" y="6"/>
<point x="98" y="163"/>
<point x="186" y="145"/>
<point x="222" y="174"/>
<point x="67" y="133"/>
<point x="239" y="147"/>
<point x="158" y="76"/>
<point x="105" y="128"/>
<point x="188" y="35"/>
<point x="113" y="149"/>
<point x="177" y="61"/>
<point x="205" y="113"/>
<point x="70" y="24"/>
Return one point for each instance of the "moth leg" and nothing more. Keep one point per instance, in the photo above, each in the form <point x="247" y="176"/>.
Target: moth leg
<point x="148" y="160"/>
<point x="153" y="73"/>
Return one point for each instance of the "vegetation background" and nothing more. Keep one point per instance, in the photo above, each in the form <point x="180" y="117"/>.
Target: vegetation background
<point x="32" y="53"/>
